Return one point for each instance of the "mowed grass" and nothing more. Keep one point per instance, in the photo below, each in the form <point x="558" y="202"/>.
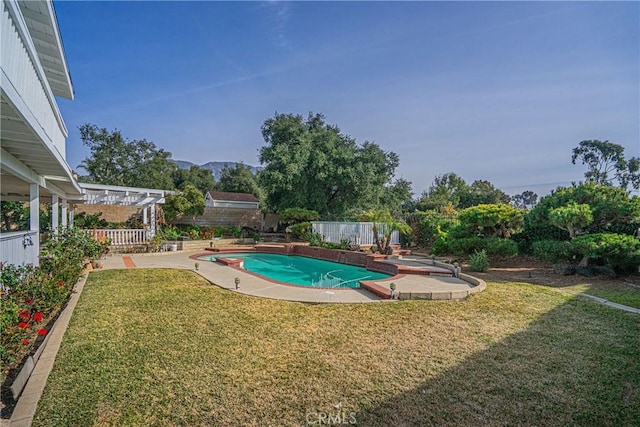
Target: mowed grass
<point x="165" y="347"/>
<point x="622" y="293"/>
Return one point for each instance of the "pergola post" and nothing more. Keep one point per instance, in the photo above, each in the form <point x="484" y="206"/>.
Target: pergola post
<point x="152" y="209"/>
<point x="34" y="217"/>
<point x="64" y="214"/>
<point x="54" y="213"/>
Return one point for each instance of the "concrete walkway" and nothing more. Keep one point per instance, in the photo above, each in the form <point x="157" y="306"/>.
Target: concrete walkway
<point x="224" y="277"/>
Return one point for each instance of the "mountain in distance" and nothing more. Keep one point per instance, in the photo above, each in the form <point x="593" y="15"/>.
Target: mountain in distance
<point x="215" y="167"/>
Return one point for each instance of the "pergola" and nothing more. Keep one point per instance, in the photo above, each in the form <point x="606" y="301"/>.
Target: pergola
<point x="144" y="198"/>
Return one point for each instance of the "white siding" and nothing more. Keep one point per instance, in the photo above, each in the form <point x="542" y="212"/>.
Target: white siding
<point x="19" y="248"/>
<point x="23" y="75"/>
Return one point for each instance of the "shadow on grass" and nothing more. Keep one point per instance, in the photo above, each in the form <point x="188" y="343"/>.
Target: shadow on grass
<point x="578" y="364"/>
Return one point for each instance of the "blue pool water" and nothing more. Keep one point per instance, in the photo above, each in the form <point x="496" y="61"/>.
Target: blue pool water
<point x="303" y="271"/>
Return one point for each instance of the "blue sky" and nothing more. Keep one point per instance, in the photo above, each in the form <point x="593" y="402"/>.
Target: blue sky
<point x="500" y="91"/>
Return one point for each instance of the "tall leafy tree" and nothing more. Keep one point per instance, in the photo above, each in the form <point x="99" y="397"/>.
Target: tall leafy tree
<point x="525" y="200"/>
<point x="201" y="178"/>
<point x="482" y="192"/>
<point x="189" y="202"/>
<point x="311" y="164"/>
<point x="240" y="179"/>
<point x="399" y="197"/>
<point x="613" y="209"/>
<point x="571" y="218"/>
<point x="606" y="164"/>
<point x="445" y="190"/>
<point x="115" y="160"/>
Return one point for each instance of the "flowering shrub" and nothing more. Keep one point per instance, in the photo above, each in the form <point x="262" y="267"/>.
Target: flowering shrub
<point x="30" y="296"/>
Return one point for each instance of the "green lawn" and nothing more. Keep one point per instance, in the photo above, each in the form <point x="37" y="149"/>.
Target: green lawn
<point x="625" y="297"/>
<point x="165" y="347"/>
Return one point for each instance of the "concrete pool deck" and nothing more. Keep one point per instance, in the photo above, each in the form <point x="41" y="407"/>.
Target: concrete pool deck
<point x="416" y="286"/>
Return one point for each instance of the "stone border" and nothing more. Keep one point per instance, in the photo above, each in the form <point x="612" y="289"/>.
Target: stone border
<point x="25" y="409"/>
<point x="611" y="303"/>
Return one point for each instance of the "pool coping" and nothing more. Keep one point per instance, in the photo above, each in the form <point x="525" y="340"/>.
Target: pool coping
<point x="372" y="286"/>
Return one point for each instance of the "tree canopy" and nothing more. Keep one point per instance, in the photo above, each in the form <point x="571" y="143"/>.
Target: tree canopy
<point x="525" y="200"/>
<point x="115" y="160"/>
<point x="189" y="202"/>
<point x="452" y="190"/>
<point x="493" y="220"/>
<point x="606" y="164"/>
<point x="202" y="179"/>
<point x="613" y="210"/>
<point x="311" y="164"/>
<point x="571" y="218"/>
<point x="240" y="179"/>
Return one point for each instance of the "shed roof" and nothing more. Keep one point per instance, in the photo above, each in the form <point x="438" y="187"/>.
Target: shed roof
<point x="232" y="197"/>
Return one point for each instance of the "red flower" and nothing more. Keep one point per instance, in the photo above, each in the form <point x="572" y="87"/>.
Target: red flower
<point x="59" y="283"/>
<point x="38" y="316"/>
<point x="24" y="314"/>
<point x="42" y="332"/>
<point x="23" y="325"/>
<point x="29" y="302"/>
<point x="25" y="342"/>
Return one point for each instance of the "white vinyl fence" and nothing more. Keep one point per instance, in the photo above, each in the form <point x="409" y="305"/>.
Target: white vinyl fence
<point x="358" y="233"/>
<point x="122" y="237"/>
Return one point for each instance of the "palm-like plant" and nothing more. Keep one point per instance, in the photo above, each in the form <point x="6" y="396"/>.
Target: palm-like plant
<point x="384" y="224"/>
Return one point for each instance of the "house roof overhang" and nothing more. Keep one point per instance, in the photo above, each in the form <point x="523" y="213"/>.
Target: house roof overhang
<point x="25" y="159"/>
<point x="42" y="23"/>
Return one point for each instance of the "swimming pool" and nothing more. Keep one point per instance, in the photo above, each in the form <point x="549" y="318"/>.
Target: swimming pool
<point x="303" y="271"/>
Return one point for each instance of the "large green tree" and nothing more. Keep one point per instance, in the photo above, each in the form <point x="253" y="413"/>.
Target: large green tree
<point x="311" y="164"/>
<point x="201" y="178"/>
<point x="189" y="202"/>
<point x="571" y="218"/>
<point x="525" y="200"/>
<point x="240" y="179"/>
<point x="613" y="209"/>
<point x="115" y="160"/>
<point x="399" y="197"/>
<point x="482" y="192"/>
<point x="606" y="164"/>
<point x="444" y="191"/>
<point x="452" y="190"/>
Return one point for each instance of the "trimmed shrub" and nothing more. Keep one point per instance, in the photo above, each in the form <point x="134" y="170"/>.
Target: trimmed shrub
<point x="466" y="245"/>
<point x="501" y="247"/>
<point x="479" y="261"/>
<point x="298" y="230"/>
<point x="554" y="250"/>
<point x="620" y="251"/>
<point x="493" y="246"/>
